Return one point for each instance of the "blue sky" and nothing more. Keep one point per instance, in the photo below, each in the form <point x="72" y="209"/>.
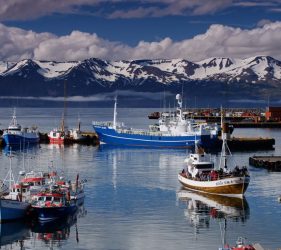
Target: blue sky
<point x="137" y="29"/>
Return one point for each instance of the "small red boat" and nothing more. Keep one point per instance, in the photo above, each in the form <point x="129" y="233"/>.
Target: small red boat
<point x="240" y="245"/>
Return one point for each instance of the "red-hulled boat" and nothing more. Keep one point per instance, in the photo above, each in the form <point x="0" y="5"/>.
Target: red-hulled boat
<point x="240" y="245"/>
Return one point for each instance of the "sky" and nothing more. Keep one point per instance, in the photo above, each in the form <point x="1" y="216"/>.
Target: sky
<point x="70" y="30"/>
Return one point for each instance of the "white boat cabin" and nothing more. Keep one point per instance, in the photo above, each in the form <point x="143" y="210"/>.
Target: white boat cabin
<point x="199" y="163"/>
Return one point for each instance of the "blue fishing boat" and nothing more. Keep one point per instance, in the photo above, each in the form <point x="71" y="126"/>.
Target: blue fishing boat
<point x="172" y="131"/>
<point x="52" y="205"/>
<point x="16" y="135"/>
<point x="11" y="207"/>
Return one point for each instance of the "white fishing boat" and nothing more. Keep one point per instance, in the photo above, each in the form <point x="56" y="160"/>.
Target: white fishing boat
<point x="76" y="134"/>
<point x="200" y="174"/>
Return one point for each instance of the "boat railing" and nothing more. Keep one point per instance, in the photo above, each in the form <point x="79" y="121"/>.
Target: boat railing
<point x="140" y="132"/>
<point x="107" y="124"/>
<point x="215" y="175"/>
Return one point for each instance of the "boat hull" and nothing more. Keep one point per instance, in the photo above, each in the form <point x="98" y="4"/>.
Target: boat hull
<point x="28" y="138"/>
<point x="111" y="136"/>
<point x="56" y="140"/>
<point x="45" y="214"/>
<point x="12" y="209"/>
<point x="232" y="186"/>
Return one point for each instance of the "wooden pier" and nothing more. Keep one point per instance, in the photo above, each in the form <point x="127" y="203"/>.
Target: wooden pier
<point x="272" y="163"/>
<point x="250" y="143"/>
<point x="255" y="124"/>
<point x="240" y="144"/>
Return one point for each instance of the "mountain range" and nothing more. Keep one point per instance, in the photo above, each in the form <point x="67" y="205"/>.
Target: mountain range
<point x="210" y="80"/>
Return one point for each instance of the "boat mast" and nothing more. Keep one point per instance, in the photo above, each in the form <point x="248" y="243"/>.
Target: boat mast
<point x="115" y="113"/>
<point x="223" y="232"/>
<point x="10" y="170"/>
<point x="225" y="151"/>
<point x="14" y="119"/>
<point x="63" y="125"/>
<point x="179" y="108"/>
<point x="10" y="175"/>
<point x="79" y="124"/>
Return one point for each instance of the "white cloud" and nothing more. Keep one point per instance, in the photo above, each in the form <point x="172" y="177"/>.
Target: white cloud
<point x="262" y="22"/>
<point x="217" y="41"/>
<point x="19" y="44"/>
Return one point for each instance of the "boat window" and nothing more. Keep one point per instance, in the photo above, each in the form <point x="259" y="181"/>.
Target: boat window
<point x="56" y="199"/>
<point x="48" y="198"/>
<point x="41" y="198"/>
<point x="203" y="166"/>
<point x="18" y="190"/>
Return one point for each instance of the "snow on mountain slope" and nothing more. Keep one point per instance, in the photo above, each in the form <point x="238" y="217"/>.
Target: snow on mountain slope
<point x="3" y="67"/>
<point x="17" y="67"/>
<point x="253" y="69"/>
<point x="214" y="66"/>
<point x="54" y="69"/>
<point x="277" y="71"/>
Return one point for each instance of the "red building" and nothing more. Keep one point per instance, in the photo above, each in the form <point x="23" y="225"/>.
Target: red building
<point x="273" y="114"/>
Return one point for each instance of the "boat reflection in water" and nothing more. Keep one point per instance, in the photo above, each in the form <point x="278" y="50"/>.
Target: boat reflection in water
<point x="202" y="207"/>
<point x="54" y="233"/>
<point x="28" y="148"/>
<point x="13" y="232"/>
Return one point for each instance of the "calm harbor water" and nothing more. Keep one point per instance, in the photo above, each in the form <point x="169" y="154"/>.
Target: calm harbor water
<point x="133" y="199"/>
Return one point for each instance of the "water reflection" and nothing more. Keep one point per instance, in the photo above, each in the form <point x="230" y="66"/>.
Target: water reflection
<point x="201" y="208"/>
<point x="13" y="233"/>
<point x="52" y="234"/>
<point x="30" y="148"/>
<point x="138" y="164"/>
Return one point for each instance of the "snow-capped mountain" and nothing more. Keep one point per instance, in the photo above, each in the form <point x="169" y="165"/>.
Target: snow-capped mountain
<point x="253" y="76"/>
<point x="252" y="70"/>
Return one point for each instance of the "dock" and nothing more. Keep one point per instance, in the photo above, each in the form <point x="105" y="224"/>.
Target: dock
<point x="240" y="144"/>
<point x="250" y="143"/>
<point x="271" y="163"/>
<point x="269" y="117"/>
<point x="255" y="124"/>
